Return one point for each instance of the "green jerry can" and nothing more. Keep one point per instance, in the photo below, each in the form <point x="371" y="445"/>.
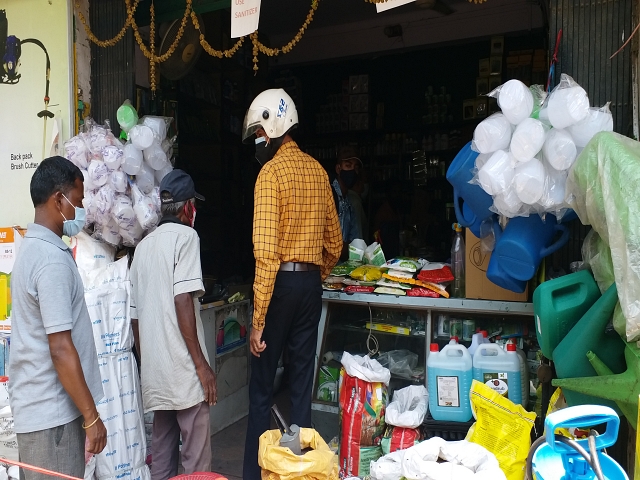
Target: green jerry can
<point x="590" y="335"/>
<point x="559" y="304"/>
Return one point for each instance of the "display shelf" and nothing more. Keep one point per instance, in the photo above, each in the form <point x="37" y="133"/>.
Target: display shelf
<point x="353" y="328"/>
<point x="467" y="304"/>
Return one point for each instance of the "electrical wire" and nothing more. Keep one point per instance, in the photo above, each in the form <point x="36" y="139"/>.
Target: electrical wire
<point x="371" y="337"/>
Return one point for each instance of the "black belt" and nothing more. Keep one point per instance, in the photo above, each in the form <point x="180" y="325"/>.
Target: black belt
<point x="298" y="267"/>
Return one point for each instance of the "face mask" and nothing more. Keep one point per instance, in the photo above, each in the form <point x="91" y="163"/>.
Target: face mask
<point x="71" y="228"/>
<point x="348" y="177"/>
<point x="265" y="151"/>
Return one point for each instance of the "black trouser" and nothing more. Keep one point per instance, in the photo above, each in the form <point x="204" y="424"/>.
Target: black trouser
<point x="291" y="323"/>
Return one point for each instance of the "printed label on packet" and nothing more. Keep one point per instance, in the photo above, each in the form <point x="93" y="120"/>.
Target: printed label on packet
<point x="448" y="395"/>
<point x="498" y="382"/>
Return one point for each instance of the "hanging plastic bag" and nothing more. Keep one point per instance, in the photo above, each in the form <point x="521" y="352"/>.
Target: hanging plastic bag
<point x="497" y="173"/>
<point x="502" y="427"/>
<point x="528" y="139"/>
<point x="567" y="105"/>
<point x="598" y="120"/>
<point x="401" y="363"/>
<point x="515" y="100"/>
<point x="280" y="463"/>
<point x="409" y="407"/>
<point x="492" y="134"/>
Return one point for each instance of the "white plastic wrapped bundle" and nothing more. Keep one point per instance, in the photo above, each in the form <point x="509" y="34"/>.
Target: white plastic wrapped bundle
<point x="167" y="146"/>
<point x="132" y="234"/>
<point x="568" y="103"/>
<point x="508" y="203"/>
<point x="559" y="149"/>
<point x="98" y="172"/>
<point x="155" y="197"/>
<point x="515" y="101"/>
<point x="88" y="182"/>
<point x="112" y="156"/>
<point x="111" y="232"/>
<point x="598" y="120"/>
<point x="144" y="208"/>
<point x="492" y="134"/>
<point x="527" y="139"/>
<point x="122" y="211"/>
<point x="145" y="179"/>
<point x="141" y="137"/>
<point x="482" y="159"/>
<point x="132" y="159"/>
<point x="118" y="181"/>
<point x="76" y="151"/>
<point x="497" y="174"/>
<point x="155" y="157"/>
<point x="160" y="174"/>
<point x="103" y="200"/>
<point x="98" y="139"/>
<point x="89" y="206"/>
<point x="158" y="126"/>
<point x="553" y="197"/>
<point x="529" y="181"/>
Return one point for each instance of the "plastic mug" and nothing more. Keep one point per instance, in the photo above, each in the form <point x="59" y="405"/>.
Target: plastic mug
<point x="497" y="276"/>
<point x="524" y="242"/>
<point x="470" y="202"/>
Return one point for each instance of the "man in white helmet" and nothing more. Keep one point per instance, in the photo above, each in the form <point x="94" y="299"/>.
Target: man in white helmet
<point x="296" y="242"/>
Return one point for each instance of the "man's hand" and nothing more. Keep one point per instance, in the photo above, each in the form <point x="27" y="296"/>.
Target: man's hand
<point x="209" y="384"/>
<point x="96" y="435"/>
<point x="256" y="344"/>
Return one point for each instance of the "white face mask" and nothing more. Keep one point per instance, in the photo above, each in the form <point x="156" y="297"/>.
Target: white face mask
<point x="71" y="228"/>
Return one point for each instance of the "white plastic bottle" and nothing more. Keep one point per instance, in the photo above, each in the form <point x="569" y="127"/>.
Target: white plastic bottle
<point x="457" y="263"/>
<point x="476" y="341"/>
<point x="453" y="341"/>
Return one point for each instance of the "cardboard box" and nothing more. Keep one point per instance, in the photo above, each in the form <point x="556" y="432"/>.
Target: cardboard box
<point x="477" y="285"/>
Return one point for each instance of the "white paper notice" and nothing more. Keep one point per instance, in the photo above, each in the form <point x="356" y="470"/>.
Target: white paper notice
<point x="245" y="16"/>
<point x="389" y="4"/>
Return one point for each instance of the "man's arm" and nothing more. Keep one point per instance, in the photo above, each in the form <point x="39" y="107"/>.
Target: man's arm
<point x="185" y="310"/>
<point x="67" y="364"/>
<point x="332" y="241"/>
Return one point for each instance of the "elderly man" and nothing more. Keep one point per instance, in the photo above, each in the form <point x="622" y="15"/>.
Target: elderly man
<point x="55" y="380"/>
<point x="296" y="243"/>
<point x="178" y="384"/>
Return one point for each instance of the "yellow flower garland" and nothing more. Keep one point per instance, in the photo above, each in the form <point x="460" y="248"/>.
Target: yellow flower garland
<point x="111" y="42"/>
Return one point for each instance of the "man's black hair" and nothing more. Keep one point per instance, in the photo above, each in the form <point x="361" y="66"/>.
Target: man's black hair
<point x="54" y="174"/>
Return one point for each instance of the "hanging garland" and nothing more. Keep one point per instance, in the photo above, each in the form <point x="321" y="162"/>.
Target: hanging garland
<point x="111" y="42"/>
<point x="208" y="48"/>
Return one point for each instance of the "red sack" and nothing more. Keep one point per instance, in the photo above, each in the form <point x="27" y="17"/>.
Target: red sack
<point x="358" y="289"/>
<point x="441" y="275"/>
<point x="398" y="438"/>
<point x="422" y="292"/>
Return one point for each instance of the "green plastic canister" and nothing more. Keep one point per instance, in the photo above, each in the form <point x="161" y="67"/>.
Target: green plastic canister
<point x="589" y="334"/>
<point x="558" y="304"/>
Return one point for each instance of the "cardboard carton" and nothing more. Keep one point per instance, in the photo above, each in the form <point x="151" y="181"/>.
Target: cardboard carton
<point x="477" y="285"/>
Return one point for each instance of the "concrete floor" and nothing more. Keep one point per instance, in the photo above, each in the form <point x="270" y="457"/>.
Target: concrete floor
<point x="227" y="446"/>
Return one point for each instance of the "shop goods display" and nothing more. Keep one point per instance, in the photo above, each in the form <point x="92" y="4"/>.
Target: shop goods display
<point x="107" y="294"/>
<point x="121" y="181"/>
<point x="555" y="456"/>
<point x="450" y="373"/>
<point x="437" y="459"/>
<point x="362" y="401"/>
<point x="499" y="370"/>
<point x="502" y="427"/>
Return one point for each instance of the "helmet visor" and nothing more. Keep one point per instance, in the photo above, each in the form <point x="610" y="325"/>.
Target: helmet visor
<point x="252" y="122"/>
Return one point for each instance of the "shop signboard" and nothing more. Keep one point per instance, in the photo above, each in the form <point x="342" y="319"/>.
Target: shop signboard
<point x="36" y="92"/>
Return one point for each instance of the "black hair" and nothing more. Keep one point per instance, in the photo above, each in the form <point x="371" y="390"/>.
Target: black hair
<point x="54" y="174"/>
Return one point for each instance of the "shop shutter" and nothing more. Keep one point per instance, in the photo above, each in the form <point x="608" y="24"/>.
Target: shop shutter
<point x="592" y="31"/>
<point x="112" y="68"/>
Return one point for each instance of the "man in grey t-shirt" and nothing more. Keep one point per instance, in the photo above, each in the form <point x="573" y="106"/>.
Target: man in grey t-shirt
<point x="54" y="378"/>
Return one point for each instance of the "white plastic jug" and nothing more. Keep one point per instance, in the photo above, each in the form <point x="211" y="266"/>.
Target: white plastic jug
<point x="476" y="341"/>
<point x="450" y="373"/>
<point x="499" y="370"/>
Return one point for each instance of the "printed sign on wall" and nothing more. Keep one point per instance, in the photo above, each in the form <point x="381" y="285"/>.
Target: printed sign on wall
<point x="245" y="16"/>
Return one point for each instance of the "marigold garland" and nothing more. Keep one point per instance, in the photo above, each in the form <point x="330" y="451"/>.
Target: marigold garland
<point x="112" y="41"/>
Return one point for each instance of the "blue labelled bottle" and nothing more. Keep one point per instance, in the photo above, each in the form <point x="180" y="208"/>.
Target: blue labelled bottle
<point x="499" y="370"/>
<point x="450" y="373"/>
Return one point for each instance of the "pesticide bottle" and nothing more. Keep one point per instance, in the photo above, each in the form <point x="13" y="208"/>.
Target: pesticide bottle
<point x="450" y="373"/>
<point x="499" y="370"/>
<point x="457" y="262"/>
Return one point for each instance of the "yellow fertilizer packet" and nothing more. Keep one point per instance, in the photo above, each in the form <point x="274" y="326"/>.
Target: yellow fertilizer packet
<point x="502" y="427"/>
<point x="367" y="273"/>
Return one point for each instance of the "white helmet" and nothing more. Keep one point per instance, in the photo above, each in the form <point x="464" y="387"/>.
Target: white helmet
<point x="274" y="111"/>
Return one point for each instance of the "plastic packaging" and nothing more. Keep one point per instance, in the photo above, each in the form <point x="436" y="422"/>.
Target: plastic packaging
<point x="492" y="134"/>
<point x="496" y="175"/>
<point x="568" y="103"/>
<point x="515" y="100"/>
<point x="145" y="179"/>
<point x="122" y="211"/>
<point x="508" y="204"/>
<point x="112" y="156"/>
<point x="76" y="151"/>
<point x="132" y="234"/>
<point x="158" y="126"/>
<point x="450" y="373"/>
<point x="127" y="116"/>
<point x="132" y="159"/>
<point x="598" y="120"/>
<point x="160" y="174"/>
<point x="560" y="149"/>
<point x="141" y="136"/>
<point x="399" y="362"/>
<point x="499" y="370"/>
<point x="118" y="180"/>
<point x="98" y="139"/>
<point x="476" y="341"/>
<point x="529" y="181"/>
<point x="155" y="157"/>
<point x="552" y="199"/>
<point x="111" y="233"/>
<point x="88" y="182"/>
<point x="528" y="139"/>
<point x="98" y="172"/>
<point x="409" y="407"/>
<point x="458" y="263"/>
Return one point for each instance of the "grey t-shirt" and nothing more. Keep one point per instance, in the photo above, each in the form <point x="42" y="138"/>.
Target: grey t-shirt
<point x="47" y="297"/>
<point x="167" y="264"/>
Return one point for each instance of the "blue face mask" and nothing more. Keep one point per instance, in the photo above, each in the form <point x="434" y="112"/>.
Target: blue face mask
<point x="71" y="228"/>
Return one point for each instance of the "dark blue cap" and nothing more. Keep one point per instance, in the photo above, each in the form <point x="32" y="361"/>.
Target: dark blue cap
<point x="177" y="186"/>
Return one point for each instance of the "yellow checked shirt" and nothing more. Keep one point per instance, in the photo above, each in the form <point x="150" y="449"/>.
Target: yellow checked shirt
<point x="294" y="220"/>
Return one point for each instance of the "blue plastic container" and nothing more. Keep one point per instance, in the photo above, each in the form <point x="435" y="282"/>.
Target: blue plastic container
<point x="497" y="276"/>
<point x="476" y="200"/>
<point x="524" y="242"/>
<point x="499" y="370"/>
<point x="449" y="373"/>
